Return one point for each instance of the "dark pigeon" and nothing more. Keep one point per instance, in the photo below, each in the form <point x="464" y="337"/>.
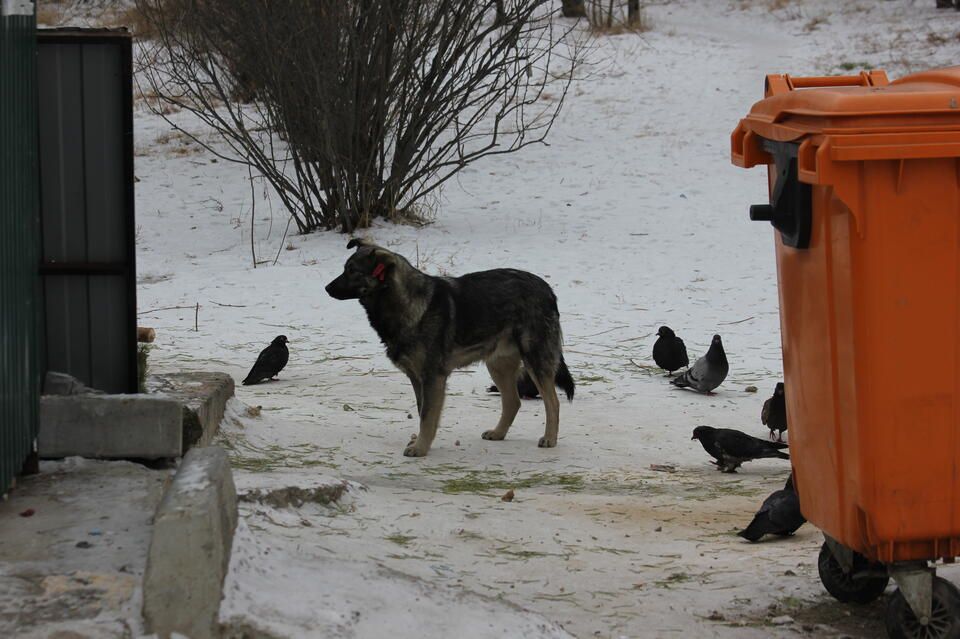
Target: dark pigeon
<point x="708" y="372"/>
<point x="779" y="515"/>
<point x="669" y="351"/>
<point x="525" y="387"/>
<point x="774" y="413"/>
<point x="731" y="448"/>
<point x="271" y="361"/>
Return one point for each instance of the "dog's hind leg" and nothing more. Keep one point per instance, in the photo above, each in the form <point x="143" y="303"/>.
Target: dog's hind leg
<point x="542" y="359"/>
<point x="551" y="405"/>
<point x="503" y="370"/>
<point x="432" y="394"/>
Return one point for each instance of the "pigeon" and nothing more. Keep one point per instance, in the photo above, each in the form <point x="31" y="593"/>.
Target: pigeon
<point x="774" y="413"/>
<point x="708" y="372"/>
<point x="730" y="448"/>
<point x="669" y="351"/>
<point x="525" y="387"/>
<point x="779" y="515"/>
<point x="271" y="361"/>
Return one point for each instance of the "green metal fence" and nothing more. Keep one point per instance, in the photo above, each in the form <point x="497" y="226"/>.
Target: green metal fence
<point x="19" y="228"/>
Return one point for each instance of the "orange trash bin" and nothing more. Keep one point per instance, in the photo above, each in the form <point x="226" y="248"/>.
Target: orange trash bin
<point x="864" y="178"/>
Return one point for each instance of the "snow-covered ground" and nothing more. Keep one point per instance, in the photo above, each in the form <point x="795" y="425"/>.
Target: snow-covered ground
<point x="637" y="218"/>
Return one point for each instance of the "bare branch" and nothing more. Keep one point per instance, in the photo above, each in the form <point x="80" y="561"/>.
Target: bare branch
<point x="357" y="109"/>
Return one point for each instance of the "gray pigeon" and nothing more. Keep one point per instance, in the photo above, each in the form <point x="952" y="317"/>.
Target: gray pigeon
<point x="708" y="372"/>
<point x="779" y="515"/>
<point x="271" y="361"/>
<point x="731" y="448"/>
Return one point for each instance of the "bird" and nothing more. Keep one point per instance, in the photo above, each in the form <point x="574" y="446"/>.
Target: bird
<point x="731" y="448"/>
<point x="271" y="361"/>
<point x="669" y="351"/>
<point x="779" y="515"/>
<point x="708" y="372"/>
<point x="525" y="387"/>
<point x="774" y="413"/>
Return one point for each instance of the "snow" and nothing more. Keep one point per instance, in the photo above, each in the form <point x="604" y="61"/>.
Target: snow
<point x="193" y="478"/>
<point x="637" y="218"/>
<point x="350" y="598"/>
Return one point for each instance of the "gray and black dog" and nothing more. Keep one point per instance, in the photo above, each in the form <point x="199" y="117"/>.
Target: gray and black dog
<point x="433" y="325"/>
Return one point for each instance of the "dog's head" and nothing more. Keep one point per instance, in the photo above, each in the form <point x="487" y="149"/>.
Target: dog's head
<point x="365" y="272"/>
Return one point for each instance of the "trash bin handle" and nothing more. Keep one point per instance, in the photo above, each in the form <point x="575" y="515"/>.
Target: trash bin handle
<point x="780" y="84"/>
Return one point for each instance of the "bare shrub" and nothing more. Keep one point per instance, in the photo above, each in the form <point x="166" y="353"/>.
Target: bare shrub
<point x="131" y="18"/>
<point x="357" y="109"/>
<point x="616" y="16"/>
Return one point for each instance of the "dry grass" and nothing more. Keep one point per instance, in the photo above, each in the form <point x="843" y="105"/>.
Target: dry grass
<point x="50" y="14"/>
<point x="154" y="103"/>
<point x="769" y="5"/>
<point x="938" y="39"/>
<point x="174" y="143"/>
<point x="814" y="23"/>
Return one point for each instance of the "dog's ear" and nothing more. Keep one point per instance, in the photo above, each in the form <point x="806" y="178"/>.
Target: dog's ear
<point x="384" y="261"/>
<point x="378" y="252"/>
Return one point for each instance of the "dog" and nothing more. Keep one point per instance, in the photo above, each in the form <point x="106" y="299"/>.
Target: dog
<point x="431" y="326"/>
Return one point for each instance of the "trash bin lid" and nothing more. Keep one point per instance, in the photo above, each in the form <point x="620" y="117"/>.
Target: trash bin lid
<point x="864" y="103"/>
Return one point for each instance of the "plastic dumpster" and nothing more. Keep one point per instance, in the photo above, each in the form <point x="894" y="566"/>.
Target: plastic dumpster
<point x="864" y="179"/>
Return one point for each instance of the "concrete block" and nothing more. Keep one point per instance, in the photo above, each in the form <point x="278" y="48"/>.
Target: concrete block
<point x="109" y="426"/>
<point x="190" y="548"/>
<point x="204" y="397"/>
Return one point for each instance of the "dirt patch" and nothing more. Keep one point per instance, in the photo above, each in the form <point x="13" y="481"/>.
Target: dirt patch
<point x="56" y="598"/>
<point x="296" y="497"/>
<point x="824" y="616"/>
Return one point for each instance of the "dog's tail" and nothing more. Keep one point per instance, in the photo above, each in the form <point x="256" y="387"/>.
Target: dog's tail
<point x="564" y="380"/>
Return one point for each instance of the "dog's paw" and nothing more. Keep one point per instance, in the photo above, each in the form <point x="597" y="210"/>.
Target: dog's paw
<point x="493" y="435"/>
<point x="546" y="443"/>
<point x="412" y="450"/>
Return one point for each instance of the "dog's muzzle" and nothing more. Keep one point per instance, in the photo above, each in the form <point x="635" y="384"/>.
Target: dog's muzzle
<point x="339" y="289"/>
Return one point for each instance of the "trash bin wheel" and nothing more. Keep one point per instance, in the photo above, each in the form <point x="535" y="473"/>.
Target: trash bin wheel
<point x="944" y="620"/>
<point x="844" y="586"/>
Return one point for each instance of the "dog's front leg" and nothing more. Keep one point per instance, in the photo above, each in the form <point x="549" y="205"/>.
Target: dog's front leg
<point x="432" y="393"/>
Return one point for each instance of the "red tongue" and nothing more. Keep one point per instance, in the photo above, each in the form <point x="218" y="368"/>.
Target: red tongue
<point x="378" y="271"/>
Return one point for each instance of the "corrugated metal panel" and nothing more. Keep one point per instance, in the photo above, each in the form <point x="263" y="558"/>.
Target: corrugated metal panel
<point x="86" y="195"/>
<point x="19" y="241"/>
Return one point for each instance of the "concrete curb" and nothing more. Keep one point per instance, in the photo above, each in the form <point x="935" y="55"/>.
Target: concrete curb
<point x="204" y="397"/>
<point x="109" y="426"/>
<point x="190" y="548"/>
